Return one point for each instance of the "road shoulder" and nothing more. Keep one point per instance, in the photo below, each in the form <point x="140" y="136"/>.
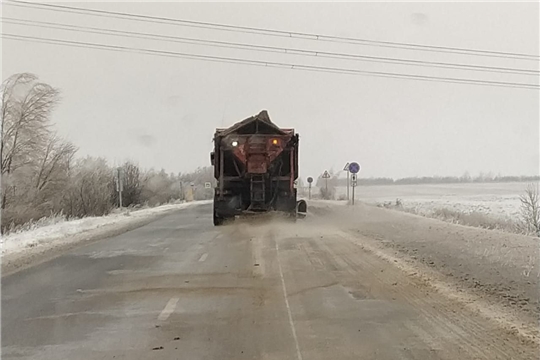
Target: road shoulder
<point x="491" y="272"/>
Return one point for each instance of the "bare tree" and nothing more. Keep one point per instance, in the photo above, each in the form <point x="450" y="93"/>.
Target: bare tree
<point x="158" y="188"/>
<point x="89" y="191"/>
<point x="327" y="187"/>
<point x="54" y="162"/>
<point x="530" y="209"/>
<point x="198" y="178"/>
<point x="26" y="107"/>
<point x="38" y="171"/>
<point x="327" y="193"/>
<point x="131" y="194"/>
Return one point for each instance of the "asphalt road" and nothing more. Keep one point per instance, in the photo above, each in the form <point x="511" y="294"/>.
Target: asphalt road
<point x="180" y="288"/>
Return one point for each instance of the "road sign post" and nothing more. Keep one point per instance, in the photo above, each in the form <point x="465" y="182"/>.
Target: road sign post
<point x="309" y="180"/>
<point x="354" y="168"/>
<point x="207" y="188"/>
<point x="348" y="197"/>
<point x="346" y="168"/>
<point x="182" y="195"/>
<point x="354" y="183"/>
<point x="192" y="190"/>
<point x="326" y="176"/>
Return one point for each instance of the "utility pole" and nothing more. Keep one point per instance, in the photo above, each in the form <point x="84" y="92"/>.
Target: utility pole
<point x="119" y="185"/>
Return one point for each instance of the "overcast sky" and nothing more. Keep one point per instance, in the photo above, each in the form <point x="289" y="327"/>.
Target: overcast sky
<point x="162" y="111"/>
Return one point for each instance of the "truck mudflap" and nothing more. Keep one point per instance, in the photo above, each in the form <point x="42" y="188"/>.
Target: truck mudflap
<point x="301" y="209"/>
<point x="226" y="208"/>
<point x="218" y="219"/>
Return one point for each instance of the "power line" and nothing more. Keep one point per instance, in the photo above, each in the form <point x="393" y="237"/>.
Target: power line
<point x="268" y="63"/>
<point x="272" y="32"/>
<point x="273" y="49"/>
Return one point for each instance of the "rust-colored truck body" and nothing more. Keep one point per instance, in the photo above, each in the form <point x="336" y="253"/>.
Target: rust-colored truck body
<point x="256" y="167"/>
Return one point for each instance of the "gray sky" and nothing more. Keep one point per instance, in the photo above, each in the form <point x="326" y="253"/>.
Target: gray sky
<point x="162" y="111"/>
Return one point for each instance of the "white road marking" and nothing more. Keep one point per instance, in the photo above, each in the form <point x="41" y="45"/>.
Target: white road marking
<point x="169" y="308"/>
<point x="291" y="322"/>
<point x="203" y="257"/>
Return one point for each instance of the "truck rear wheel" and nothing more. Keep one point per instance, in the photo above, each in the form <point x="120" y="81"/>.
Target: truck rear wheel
<point x="218" y="220"/>
<point x="301" y="209"/>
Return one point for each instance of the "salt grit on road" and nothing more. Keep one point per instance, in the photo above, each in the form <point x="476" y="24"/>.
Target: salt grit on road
<point x="499" y="270"/>
<point x="180" y="287"/>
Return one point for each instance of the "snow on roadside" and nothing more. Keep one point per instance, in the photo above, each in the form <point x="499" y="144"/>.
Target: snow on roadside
<point x="325" y="203"/>
<point x="501" y="207"/>
<point x="497" y="200"/>
<point x="19" y="241"/>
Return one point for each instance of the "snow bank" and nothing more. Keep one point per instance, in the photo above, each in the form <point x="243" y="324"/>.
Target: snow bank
<point x="60" y="231"/>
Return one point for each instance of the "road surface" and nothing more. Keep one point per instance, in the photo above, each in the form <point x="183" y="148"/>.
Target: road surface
<point x="180" y="288"/>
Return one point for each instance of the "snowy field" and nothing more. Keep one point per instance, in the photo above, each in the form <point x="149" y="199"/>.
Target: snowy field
<point x="495" y="199"/>
<point x="62" y="231"/>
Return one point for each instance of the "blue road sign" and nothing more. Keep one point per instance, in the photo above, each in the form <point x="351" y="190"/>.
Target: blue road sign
<point x="354" y="167"/>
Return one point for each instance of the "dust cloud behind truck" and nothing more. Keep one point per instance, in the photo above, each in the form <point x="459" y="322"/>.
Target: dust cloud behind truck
<point x="256" y="167"/>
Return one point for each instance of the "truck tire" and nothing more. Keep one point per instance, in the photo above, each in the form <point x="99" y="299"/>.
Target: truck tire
<point x="301" y="209"/>
<point x="301" y="206"/>
<point x="218" y="220"/>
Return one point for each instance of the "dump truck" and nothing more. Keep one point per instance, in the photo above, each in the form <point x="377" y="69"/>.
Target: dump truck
<point x="256" y="167"/>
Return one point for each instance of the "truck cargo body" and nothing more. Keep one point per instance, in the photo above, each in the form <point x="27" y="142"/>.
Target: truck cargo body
<point x="256" y="167"/>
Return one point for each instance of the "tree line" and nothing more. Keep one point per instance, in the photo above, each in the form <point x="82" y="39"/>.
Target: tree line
<point x="41" y="175"/>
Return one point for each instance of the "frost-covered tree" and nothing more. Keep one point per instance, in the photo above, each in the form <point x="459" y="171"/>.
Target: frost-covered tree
<point x="89" y="190"/>
<point x="34" y="161"/>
